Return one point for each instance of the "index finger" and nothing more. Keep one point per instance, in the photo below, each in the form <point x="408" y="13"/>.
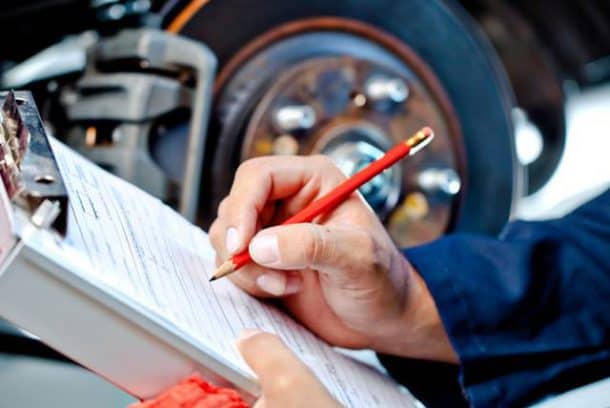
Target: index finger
<point x="265" y="179"/>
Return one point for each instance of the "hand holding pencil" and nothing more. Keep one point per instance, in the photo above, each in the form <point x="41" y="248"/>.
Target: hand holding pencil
<point x="335" y="197"/>
<point x="340" y="275"/>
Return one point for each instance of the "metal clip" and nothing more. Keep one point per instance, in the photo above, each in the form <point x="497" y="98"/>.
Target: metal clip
<point x="28" y="168"/>
<point x="46" y="214"/>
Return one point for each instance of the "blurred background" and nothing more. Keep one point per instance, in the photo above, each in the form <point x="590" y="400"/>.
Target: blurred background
<point x="172" y="95"/>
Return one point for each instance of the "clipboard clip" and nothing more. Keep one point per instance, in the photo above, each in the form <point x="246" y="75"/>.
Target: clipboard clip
<point x="30" y="174"/>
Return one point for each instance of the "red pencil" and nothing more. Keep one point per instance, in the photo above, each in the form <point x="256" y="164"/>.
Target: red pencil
<point x="335" y="197"/>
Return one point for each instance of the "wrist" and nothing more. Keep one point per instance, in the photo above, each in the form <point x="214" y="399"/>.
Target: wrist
<point x="419" y="332"/>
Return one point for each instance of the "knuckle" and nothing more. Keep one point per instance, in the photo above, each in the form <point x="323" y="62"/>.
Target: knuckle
<point x="317" y="247"/>
<point x="310" y="245"/>
<point x="223" y="207"/>
<point x="363" y="262"/>
<point x="329" y="167"/>
<point x="371" y="253"/>
<point x="245" y="167"/>
<point x="250" y="166"/>
<point x="246" y="214"/>
<point x="322" y="160"/>
<point x="367" y="243"/>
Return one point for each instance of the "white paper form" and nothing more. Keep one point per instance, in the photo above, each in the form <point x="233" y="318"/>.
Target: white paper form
<point x="149" y="253"/>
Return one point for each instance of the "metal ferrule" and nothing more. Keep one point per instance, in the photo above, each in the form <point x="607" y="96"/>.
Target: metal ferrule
<point x="420" y="140"/>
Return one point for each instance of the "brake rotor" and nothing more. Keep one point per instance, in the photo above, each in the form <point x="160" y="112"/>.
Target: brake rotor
<point x="352" y="85"/>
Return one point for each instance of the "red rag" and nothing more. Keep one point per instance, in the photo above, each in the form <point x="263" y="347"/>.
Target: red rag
<point x="194" y="392"/>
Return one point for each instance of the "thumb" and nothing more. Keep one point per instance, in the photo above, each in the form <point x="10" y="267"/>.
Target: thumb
<point x="284" y="379"/>
<point x="346" y="254"/>
<point x="278" y="370"/>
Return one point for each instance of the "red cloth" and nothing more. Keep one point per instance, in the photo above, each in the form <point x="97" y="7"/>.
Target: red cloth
<point x="194" y="392"/>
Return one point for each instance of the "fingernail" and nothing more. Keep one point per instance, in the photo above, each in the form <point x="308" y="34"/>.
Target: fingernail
<point x="264" y="249"/>
<point x="246" y="334"/>
<point x="272" y="283"/>
<point x="232" y="240"/>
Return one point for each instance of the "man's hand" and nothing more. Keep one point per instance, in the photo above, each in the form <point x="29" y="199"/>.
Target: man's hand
<point x="341" y="276"/>
<point x="284" y="379"/>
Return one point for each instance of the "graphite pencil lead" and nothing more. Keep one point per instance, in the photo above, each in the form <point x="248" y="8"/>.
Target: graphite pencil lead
<point x="223" y="270"/>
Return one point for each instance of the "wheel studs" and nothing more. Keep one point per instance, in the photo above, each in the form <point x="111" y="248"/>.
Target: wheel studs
<point x="285" y="145"/>
<point x="444" y="180"/>
<point x="386" y="89"/>
<point x="294" y="117"/>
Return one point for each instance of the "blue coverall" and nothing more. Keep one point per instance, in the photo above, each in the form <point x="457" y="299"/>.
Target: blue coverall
<point x="528" y="313"/>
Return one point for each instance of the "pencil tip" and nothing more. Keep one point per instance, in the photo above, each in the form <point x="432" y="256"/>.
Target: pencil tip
<point x="223" y="270"/>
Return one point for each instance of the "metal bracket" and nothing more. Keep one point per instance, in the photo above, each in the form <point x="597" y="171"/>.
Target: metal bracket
<point x="159" y="85"/>
<point x="166" y="51"/>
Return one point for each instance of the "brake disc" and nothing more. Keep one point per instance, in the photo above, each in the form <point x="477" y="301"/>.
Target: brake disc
<point x="351" y="84"/>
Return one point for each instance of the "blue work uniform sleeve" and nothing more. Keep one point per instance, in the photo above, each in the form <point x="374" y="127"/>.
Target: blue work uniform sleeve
<point x="528" y="313"/>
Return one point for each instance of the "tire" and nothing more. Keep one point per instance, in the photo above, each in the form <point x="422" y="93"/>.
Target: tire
<point x="443" y="35"/>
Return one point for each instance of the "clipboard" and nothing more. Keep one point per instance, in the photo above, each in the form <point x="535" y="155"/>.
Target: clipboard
<point x="52" y="289"/>
<point x="35" y="289"/>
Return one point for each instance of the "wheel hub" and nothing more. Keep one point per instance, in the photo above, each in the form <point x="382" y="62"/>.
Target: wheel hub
<point x="353" y="148"/>
<point x="353" y="110"/>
